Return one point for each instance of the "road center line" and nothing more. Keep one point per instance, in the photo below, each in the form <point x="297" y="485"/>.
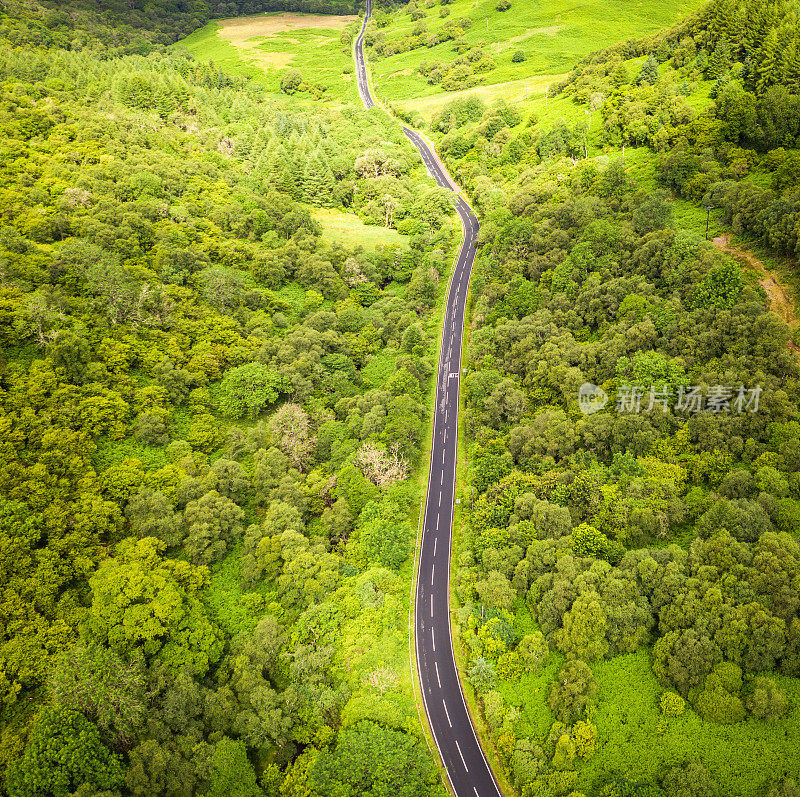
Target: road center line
<point x="435" y="543"/>
<point x="462" y="755"/>
<point x="433" y="639"/>
<point x="437" y="521"/>
<point x="433" y="567"/>
<point x="447" y="713"/>
<point x="438" y="679"/>
<point x="431" y="605"/>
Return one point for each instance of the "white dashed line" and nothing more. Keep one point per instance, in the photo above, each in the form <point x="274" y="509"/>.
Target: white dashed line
<point x="447" y="714"/>
<point x="462" y="755"/>
<point x="431" y="605"/>
<point x="435" y="543"/>
<point x="433" y="639"/>
<point x="438" y="679"/>
<point x="437" y="521"/>
<point x="433" y="568"/>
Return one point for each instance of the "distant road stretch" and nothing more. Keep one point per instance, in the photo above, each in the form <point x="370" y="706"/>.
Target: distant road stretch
<point x="467" y="769"/>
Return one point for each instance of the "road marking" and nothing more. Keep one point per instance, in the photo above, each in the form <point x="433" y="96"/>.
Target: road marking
<point x="433" y="639"/>
<point x="433" y="567"/>
<point x="440" y="497"/>
<point x="442" y="456"/>
<point x="474" y="788"/>
<point x="435" y="542"/>
<point x="431" y="605"/>
<point x="462" y="755"/>
<point x="438" y="679"/>
<point x="437" y="521"/>
<point x="445" y="435"/>
<point x="447" y="713"/>
<point x="441" y="481"/>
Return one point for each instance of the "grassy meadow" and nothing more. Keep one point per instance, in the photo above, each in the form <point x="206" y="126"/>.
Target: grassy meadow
<point x="552" y="36"/>
<point x="264" y="46"/>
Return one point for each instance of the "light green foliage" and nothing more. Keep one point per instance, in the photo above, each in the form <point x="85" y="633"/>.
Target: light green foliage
<point x="104" y="687"/>
<point x="384" y="534"/>
<point x="672" y="704"/>
<point x="572" y="693"/>
<point x="143" y="602"/>
<point x="231" y="772"/>
<point x="212" y="522"/>
<point x="584" y="631"/>
<point x="481" y="674"/>
<point x="248" y="389"/>
<point x="584" y="734"/>
<point x="719" y="700"/>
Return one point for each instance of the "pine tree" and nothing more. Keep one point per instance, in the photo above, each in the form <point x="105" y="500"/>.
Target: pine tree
<point x="649" y="73"/>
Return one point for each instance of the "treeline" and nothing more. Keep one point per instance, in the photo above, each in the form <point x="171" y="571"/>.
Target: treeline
<point x="131" y="26"/>
<point x="210" y="411"/>
<point x="233" y="8"/>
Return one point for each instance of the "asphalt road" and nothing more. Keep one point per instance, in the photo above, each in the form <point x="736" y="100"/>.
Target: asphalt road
<point x="467" y="769"/>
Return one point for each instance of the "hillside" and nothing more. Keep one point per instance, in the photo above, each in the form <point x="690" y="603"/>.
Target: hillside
<point x="220" y="286"/>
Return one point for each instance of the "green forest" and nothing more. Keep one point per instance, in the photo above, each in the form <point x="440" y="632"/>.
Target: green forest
<point x="210" y="410"/>
<point x="215" y="412"/>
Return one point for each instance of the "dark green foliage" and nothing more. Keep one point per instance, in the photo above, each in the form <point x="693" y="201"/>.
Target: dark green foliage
<point x="63" y="753"/>
<point x="649" y="73"/>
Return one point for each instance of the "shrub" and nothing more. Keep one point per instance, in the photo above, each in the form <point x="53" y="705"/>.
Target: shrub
<point x="518" y="57"/>
<point x="291" y="81"/>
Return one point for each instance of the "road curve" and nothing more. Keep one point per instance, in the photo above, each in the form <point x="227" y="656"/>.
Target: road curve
<point x="466" y="766"/>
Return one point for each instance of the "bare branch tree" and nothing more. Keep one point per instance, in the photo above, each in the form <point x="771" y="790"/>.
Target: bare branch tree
<point x="381" y="467"/>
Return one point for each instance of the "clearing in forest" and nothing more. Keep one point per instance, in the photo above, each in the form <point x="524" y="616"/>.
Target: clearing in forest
<point x="252" y="34"/>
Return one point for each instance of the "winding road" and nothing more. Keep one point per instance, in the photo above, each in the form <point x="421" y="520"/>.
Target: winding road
<point x="467" y="770"/>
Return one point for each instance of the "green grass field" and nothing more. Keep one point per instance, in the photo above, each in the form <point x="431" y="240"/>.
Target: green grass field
<point x="552" y="36"/>
<point x="264" y="46"/>
<point x="349" y="230"/>
<point x="206" y="45"/>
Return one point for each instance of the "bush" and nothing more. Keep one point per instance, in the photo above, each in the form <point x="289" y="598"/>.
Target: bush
<point x="672" y="704"/>
<point x="503" y="5"/>
<point x="291" y="81"/>
<point x="518" y="57"/>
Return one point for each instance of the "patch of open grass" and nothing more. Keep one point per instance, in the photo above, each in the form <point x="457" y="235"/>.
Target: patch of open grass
<point x="633" y="737"/>
<point x="349" y="230"/>
<point x="206" y="45"/>
<point x="552" y="36"/>
<point x="264" y="46"/>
